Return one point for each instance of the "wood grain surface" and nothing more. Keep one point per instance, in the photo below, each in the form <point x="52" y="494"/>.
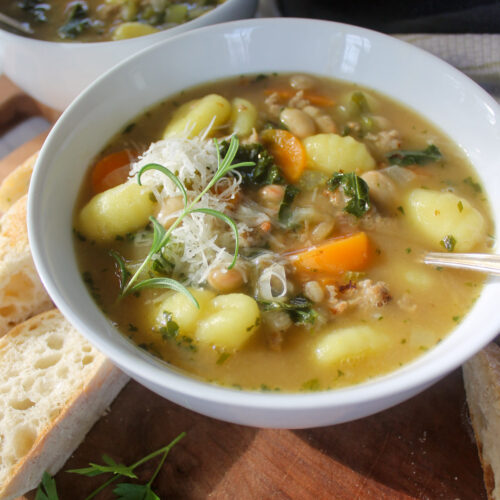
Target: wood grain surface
<point x="421" y="449"/>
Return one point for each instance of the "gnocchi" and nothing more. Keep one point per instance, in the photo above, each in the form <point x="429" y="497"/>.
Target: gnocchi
<point x="199" y="116"/>
<point x="183" y="311"/>
<point x="243" y="116"/>
<point x="116" y="212"/>
<point x="350" y="343"/>
<point x="132" y="30"/>
<point x="331" y="153"/>
<point x="439" y="215"/>
<point x="231" y="321"/>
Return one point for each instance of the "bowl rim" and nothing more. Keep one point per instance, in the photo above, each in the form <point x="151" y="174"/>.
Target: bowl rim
<point x="198" y="22"/>
<point x="384" y="386"/>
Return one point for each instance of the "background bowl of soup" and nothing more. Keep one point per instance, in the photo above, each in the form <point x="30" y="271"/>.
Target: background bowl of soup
<point x="58" y="61"/>
<point x="455" y="114"/>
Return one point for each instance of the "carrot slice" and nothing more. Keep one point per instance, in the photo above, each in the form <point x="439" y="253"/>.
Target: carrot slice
<point x="288" y="152"/>
<point x="112" y="170"/>
<point x="338" y="255"/>
<point x="317" y="99"/>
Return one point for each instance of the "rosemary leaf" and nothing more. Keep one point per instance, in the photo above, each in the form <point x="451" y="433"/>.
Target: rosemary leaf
<point x="166" y="283"/>
<point x="168" y="173"/>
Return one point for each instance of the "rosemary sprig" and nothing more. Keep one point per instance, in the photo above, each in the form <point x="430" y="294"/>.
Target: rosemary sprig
<point x="161" y="236"/>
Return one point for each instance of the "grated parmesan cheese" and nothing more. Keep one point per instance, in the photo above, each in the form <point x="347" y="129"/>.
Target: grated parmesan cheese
<point x="201" y="242"/>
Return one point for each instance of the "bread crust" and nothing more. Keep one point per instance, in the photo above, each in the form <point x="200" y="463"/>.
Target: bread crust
<point x="16" y="184"/>
<point x="21" y="292"/>
<point x="482" y="387"/>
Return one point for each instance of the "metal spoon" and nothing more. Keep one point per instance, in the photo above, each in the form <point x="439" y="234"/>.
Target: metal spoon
<point x="24" y="28"/>
<point x="485" y="263"/>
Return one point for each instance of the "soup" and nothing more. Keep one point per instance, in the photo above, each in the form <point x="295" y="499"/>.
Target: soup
<point x="264" y="232"/>
<point x="99" y="20"/>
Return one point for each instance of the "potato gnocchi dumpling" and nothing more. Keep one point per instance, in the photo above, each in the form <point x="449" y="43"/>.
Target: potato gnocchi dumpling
<point x="243" y="116"/>
<point x="120" y="210"/>
<point x="331" y="153"/>
<point x="445" y="219"/>
<point x="229" y="322"/>
<point x="183" y="311"/>
<point x="199" y="116"/>
<point x="348" y="344"/>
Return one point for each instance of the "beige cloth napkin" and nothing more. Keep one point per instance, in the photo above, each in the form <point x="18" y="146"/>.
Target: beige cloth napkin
<point x="478" y="56"/>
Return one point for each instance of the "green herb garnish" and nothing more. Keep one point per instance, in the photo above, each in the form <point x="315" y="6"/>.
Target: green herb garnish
<point x="448" y="242"/>
<point x="125" y="491"/>
<point x="311" y="385"/>
<point x="404" y="158"/>
<point x="161" y="236"/>
<point x="223" y="357"/>
<point x="474" y="185"/>
<point x="47" y="489"/>
<point x="355" y="188"/>
<point x="171" y="328"/>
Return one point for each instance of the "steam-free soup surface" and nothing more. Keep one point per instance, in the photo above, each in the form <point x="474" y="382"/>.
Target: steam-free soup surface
<point x="347" y="190"/>
<point x="99" y="20"/>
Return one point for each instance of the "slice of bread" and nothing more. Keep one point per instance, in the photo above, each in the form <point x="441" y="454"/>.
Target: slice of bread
<point x="482" y="386"/>
<point x="21" y="292"/>
<point x="54" y="386"/>
<point x="16" y="184"/>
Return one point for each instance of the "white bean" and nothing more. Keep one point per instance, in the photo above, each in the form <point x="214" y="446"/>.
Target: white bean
<point x="298" y="122"/>
<point x="225" y="280"/>
<point x="313" y="291"/>
<point x="301" y="82"/>
<point x="272" y="194"/>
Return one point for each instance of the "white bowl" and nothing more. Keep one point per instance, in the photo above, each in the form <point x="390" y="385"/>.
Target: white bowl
<point x="54" y="73"/>
<point x="410" y="75"/>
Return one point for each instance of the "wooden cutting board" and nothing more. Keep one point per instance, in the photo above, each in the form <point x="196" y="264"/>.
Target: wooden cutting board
<point x="421" y="449"/>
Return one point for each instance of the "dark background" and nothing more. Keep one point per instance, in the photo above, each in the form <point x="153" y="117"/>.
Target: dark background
<point x="425" y="16"/>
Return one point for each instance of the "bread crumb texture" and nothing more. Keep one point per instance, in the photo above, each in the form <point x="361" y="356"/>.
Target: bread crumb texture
<point x="16" y="184"/>
<point x="44" y="362"/>
<point x="21" y="292"/>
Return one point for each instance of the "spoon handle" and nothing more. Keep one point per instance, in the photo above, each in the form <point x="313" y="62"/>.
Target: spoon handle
<point x="12" y="23"/>
<point x="486" y="263"/>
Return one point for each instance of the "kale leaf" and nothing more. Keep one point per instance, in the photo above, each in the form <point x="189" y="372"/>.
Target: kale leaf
<point x="264" y="172"/>
<point x="78" y="21"/>
<point x="404" y="158"/>
<point x="355" y="188"/>
<point x="37" y="8"/>
<point x="285" y="210"/>
<point x="298" y="308"/>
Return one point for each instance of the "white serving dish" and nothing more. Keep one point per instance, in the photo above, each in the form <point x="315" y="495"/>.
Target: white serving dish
<point x="54" y="73"/>
<point x="441" y="93"/>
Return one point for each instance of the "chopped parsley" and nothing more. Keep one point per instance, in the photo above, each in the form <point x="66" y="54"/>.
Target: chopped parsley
<point x="311" y="385"/>
<point x="448" y="242"/>
<point x="474" y="185"/>
<point x="222" y="358"/>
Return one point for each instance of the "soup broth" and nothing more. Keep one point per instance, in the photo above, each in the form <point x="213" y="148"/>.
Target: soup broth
<point x="347" y="190"/>
<point x="99" y="21"/>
